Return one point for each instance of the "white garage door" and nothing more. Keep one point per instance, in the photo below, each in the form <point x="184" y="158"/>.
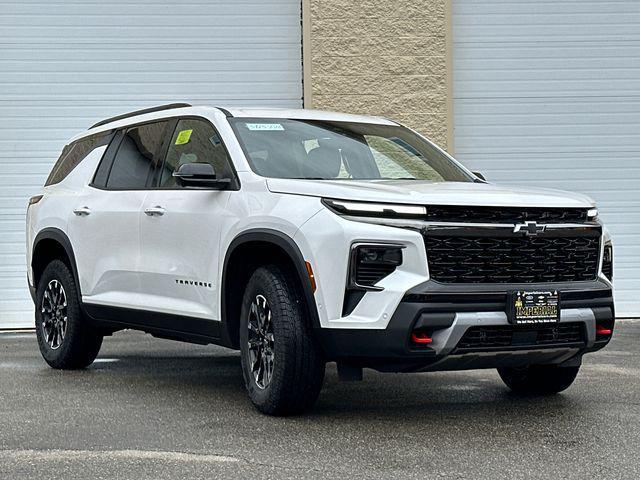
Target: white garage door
<point x="547" y="93"/>
<point x="65" y="65"/>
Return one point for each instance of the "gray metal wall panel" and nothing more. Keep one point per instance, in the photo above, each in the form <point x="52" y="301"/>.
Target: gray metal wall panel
<point x="548" y="94"/>
<point x="65" y="65"/>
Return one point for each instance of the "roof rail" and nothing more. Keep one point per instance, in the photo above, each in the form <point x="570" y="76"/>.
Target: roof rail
<point x="159" y="108"/>
<point x="225" y="111"/>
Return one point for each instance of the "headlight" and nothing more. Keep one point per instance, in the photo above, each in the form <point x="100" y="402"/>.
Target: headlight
<point x="370" y="209"/>
<point x="592" y="214"/>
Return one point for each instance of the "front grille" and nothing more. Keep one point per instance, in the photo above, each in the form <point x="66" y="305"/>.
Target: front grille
<point x="453" y="213"/>
<point x="505" y="337"/>
<point x="511" y="259"/>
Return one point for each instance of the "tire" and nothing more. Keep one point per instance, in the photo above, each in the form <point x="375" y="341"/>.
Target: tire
<point x="539" y="379"/>
<point x="297" y="364"/>
<point x="70" y="344"/>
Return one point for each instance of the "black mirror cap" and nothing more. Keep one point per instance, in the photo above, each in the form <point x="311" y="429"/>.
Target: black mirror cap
<point x="480" y="176"/>
<point x="195" y="169"/>
<point x="200" y="175"/>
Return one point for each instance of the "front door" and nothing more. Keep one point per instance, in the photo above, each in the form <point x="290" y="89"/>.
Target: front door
<point x="180" y="232"/>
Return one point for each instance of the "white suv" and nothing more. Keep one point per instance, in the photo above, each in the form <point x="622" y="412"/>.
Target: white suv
<point x="301" y="237"/>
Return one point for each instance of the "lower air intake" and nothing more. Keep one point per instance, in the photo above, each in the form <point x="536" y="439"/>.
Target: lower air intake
<point x="505" y="337"/>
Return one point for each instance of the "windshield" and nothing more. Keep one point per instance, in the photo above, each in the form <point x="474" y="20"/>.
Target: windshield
<point x="324" y="150"/>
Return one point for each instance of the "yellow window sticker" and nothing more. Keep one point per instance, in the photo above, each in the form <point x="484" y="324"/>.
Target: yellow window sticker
<point x="183" y="137"/>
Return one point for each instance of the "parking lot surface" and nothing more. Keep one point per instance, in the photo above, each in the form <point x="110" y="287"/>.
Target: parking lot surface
<point x="156" y="409"/>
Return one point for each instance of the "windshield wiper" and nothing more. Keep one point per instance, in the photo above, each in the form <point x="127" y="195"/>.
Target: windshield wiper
<point x="310" y="178"/>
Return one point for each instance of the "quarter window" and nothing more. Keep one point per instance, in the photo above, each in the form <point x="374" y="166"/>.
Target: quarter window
<point x="74" y="153"/>
<point x="194" y="140"/>
<point x="136" y="157"/>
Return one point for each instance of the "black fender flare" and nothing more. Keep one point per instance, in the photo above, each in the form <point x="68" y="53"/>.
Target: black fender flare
<point x="289" y="246"/>
<point x="52" y="233"/>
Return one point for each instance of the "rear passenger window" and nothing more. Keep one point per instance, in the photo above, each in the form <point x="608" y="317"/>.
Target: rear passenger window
<point x="74" y="153"/>
<point x="136" y="157"/>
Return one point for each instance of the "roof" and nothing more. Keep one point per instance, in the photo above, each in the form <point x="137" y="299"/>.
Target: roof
<point x="167" y="111"/>
<point x="306" y="114"/>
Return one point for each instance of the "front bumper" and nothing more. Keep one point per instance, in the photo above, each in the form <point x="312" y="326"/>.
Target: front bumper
<point x="449" y="311"/>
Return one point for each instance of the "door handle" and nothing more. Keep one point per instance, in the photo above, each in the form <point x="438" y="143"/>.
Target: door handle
<point x="156" y="211"/>
<point x="82" y="211"/>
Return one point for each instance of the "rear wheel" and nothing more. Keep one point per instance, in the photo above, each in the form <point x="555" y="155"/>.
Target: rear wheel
<point x="66" y="341"/>
<point x="282" y="364"/>
<point x="539" y="379"/>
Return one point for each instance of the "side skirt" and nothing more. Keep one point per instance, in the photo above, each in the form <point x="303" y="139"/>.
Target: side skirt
<point x="162" y="325"/>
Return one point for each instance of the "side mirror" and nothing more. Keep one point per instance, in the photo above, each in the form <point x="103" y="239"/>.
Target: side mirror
<point x="480" y="176"/>
<point x="199" y="174"/>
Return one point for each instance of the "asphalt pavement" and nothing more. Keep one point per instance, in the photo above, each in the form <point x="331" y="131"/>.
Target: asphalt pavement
<point x="155" y="409"/>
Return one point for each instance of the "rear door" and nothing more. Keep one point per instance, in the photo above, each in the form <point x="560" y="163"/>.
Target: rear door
<point x="180" y="231"/>
<point x="105" y="224"/>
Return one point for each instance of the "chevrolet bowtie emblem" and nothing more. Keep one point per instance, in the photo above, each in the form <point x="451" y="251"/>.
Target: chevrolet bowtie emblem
<point x="529" y="228"/>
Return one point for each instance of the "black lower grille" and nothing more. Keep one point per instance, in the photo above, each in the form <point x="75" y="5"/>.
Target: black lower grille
<point x="512" y="259"/>
<point x="505" y="337"/>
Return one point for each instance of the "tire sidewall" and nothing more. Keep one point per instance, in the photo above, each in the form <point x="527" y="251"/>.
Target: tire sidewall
<point x="57" y="270"/>
<point x="298" y="364"/>
<point x="258" y="285"/>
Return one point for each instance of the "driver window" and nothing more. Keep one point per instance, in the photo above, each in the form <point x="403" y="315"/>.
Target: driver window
<point x="193" y="141"/>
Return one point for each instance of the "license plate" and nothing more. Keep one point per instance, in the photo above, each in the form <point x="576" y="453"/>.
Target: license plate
<point x="535" y="307"/>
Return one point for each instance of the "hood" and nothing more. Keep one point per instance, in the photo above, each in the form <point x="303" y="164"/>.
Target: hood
<point x="431" y="193"/>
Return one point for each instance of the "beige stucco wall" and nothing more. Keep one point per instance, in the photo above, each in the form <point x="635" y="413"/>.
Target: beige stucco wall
<point x="379" y="57"/>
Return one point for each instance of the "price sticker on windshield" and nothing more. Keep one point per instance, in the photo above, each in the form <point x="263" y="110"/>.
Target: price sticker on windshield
<point x="265" y="126"/>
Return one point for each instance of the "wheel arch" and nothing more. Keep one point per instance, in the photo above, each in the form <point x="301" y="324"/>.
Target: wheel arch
<point x="51" y="243"/>
<point x="237" y="266"/>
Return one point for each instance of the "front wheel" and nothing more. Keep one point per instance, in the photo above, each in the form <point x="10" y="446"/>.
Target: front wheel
<point x="538" y="379"/>
<point x="282" y="363"/>
<point x="65" y="339"/>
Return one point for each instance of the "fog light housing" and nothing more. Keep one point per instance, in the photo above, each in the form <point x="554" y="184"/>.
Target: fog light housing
<point x="371" y="263"/>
